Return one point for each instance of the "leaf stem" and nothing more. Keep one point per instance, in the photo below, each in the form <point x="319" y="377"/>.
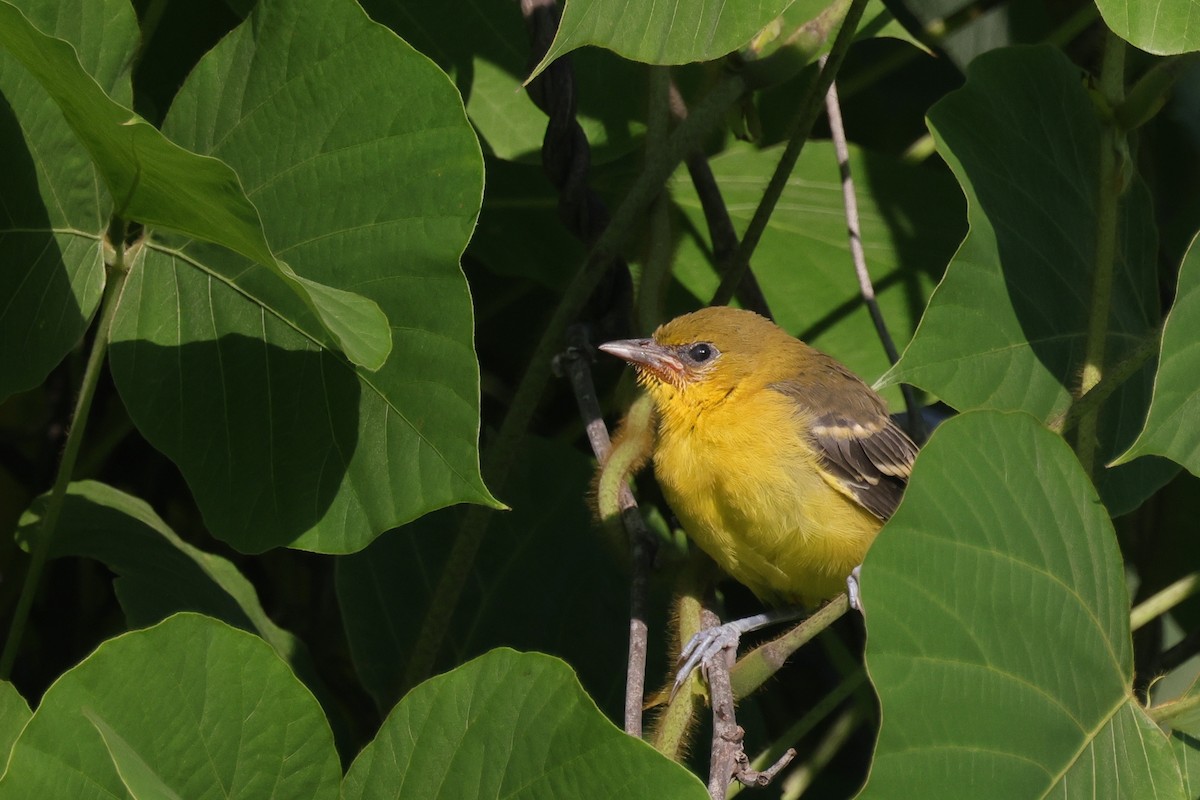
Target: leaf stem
<point x="801" y="127"/>
<point x="497" y="464"/>
<point x="1111" y="184"/>
<point x="1167" y="712"/>
<point x="1164" y="600"/>
<point x="117" y="271"/>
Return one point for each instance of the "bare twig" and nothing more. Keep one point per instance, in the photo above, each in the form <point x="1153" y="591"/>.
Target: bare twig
<point x="728" y="760"/>
<point x="833" y="109"/>
<point x="573" y="363"/>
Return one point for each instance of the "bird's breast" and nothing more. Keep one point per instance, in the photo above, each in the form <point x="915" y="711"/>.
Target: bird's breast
<point x="747" y="486"/>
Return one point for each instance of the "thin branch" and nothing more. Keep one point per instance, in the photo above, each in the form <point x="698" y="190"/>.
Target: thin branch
<point x="574" y="365"/>
<point x="801" y="127"/>
<point x="833" y="109"/>
<point x="728" y="760"/>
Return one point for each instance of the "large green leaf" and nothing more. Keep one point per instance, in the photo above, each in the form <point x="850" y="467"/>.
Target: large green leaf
<point x="547" y="540"/>
<point x="154" y="181"/>
<point x="1163" y="27"/>
<point x="158" y="573"/>
<point x="357" y="153"/>
<point x="512" y="725"/>
<point x="53" y="208"/>
<point x="1006" y="328"/>
<point x="190" y="706"/>
<point x="675" y="32"/>
<point x="911" y="222"/>
<point x="14" y="713"/>
<point x="998" y="628"/>
<point x="1171" y="428"/>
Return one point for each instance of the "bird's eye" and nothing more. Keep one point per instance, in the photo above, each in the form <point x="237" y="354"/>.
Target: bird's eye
<point x="701" y="352"/>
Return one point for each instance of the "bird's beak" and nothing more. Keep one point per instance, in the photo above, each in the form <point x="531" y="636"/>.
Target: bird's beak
<point x="648" y="355"/>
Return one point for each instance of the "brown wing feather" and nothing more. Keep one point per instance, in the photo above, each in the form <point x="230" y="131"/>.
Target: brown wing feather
<point x="857" y="440"/>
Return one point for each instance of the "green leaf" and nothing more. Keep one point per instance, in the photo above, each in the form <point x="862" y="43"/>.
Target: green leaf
<point x="911" y="222"/>
<point x="138" y="776"/>
<point x="512" y="725"/>
<point x="357" y="152"/>
<point x="207" y="710"/>
<point x="1023" y="139"/>
<point x="1164" y="27"/>
<point x="1170" y="429"/>
<point x="53" y="208"/>
<point x="14" y="713"/>
<point x="156" y="182"/>
<point x="1187" y="755"/>
<point x="158" y="573"/>
<point x="998" y="628"/>
<point x="384" y="591"/>
<point x="676" y="32"/>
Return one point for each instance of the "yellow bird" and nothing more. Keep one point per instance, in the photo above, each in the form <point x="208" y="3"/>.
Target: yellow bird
<point x="779" y="462"/>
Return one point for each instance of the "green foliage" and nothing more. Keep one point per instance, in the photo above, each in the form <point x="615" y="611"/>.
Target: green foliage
<point x="508" y="725"/>
<point x="1028" y="542"/>
<point x="297" y="261"/>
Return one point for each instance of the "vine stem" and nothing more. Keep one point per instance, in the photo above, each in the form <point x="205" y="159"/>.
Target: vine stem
<point x="498" y="462"/>
<point x="801" y="127"/>
<point x="1164" y="600"/>
<point x="1112" y="87"/>
<point x="118" y="271"/>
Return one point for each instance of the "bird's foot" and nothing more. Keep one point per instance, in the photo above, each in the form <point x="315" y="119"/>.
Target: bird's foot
<point x="853" y="591"/>
<point x="706" y="645"/>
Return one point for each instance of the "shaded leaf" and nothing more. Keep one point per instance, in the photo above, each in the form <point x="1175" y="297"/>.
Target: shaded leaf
<point x="513" y="725"/>
<point x="53" y="206"/>
<point x="998" y="628"/>
<point x="158" y="573"/>
<point x="1170" y="429"/>
<point x="356" y="151"/>
<point x="154" y="181"/>
<point x="1007" y="326"/>
<point x="548" y="540"/>
<point x="207" y="709"/>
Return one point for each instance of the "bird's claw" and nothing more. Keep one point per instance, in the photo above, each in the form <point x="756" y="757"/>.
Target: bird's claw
<point x="853" y="591"/>
<point x="703" y="647"/>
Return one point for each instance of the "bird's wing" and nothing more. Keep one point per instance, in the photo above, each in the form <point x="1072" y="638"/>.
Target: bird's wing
<point x="864" y="451"/>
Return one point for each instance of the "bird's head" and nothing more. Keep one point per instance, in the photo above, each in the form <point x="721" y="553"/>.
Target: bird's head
<point x="703" y="356"/>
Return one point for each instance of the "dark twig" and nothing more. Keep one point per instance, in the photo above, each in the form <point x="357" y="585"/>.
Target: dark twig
<point x="716" y="216"/>
<point x="573" y="363"/>
<point x="833" y="109"/>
